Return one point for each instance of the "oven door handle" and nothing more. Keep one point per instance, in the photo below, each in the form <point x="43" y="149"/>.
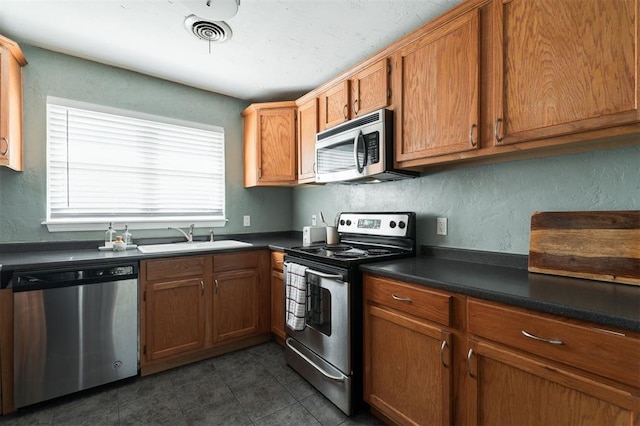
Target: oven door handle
<point x="338" y="277"/>
<point x="321" y="274"/>
<point x="313" y="364"/>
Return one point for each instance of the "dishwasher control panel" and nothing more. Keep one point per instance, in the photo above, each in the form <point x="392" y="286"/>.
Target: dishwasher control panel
<point x="49" y="278"/>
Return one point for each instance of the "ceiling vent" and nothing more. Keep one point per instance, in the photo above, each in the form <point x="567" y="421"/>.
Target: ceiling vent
<point x="211" y="31"/>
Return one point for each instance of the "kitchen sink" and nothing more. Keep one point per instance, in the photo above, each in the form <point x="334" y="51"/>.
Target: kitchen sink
<point x="195" y="246"/>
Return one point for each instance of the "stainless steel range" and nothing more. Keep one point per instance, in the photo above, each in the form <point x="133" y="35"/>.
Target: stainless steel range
<point x="325" y="298"/>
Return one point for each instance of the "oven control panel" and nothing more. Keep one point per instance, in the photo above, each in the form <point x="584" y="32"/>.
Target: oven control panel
<point x="383" y="224"/>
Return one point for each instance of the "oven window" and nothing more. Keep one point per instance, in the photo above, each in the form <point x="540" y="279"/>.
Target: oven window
<point x="319" y="306"/>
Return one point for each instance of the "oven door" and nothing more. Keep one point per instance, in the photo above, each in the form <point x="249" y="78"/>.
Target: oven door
<point x="327" y="318"/>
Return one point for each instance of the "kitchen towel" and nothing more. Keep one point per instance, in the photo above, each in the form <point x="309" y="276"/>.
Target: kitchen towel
<point x="296" y="296"/>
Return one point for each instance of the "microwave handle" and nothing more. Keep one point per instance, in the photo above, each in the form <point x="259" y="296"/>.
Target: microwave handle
<point x="360" y="141"/>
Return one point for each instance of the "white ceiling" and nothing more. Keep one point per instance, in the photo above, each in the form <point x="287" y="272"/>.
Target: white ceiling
<point x="280" y="49"/>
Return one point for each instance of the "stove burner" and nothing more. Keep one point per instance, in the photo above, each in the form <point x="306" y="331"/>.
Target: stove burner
<point x="337" y="247"/>
<point x="378" y="251"/>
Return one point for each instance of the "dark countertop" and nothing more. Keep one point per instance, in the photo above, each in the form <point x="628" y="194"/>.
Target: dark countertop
<point x="485" y="275"/>
<point x="616" y="305"/>
<point x="19" y="257"/>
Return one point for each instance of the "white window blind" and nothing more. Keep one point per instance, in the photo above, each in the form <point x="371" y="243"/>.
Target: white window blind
<point x="131" y="167"/>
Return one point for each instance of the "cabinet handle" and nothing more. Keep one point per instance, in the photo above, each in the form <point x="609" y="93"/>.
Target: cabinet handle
<point x="469" y="355"/>
<point x="401" y="299"/>
<point x="495" y="130"/>
<point x="355" y="107"/>
<point x="541" y="339"/>
<point x="216" y="281"/>
<point x="473" y="127"/>
<point x="6" y="145"/>
<point x="345" y="111"/>
<point x="202" y="286"/>
<point x="444" y="345"/>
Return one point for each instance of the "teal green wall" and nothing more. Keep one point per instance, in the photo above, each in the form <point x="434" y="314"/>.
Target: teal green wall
<point x="22" y="194"/>
<point x="489" y="207"/>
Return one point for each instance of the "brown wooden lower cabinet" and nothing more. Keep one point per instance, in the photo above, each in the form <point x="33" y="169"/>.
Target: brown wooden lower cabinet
<point x="511" y="388"/>
<point x="174" y="318"/>
<point x="407" y="359"/>
<point x="474" y="365"/>
<point x="277" y="297"/>
<point x="194" y="307"/>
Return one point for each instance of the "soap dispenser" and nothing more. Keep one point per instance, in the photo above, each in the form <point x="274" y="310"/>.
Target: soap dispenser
<point x="108" y="236"/>
<point x="126" y="236"/>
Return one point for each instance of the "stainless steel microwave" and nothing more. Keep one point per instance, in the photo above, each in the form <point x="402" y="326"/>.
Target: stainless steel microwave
<point x="358" y="151"/>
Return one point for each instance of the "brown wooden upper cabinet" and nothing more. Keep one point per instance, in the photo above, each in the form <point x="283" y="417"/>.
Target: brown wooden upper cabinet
<point x="270" y="144"/>
<point x="307" y="129"/>
<point x="11" y="62"/>
<point x="563" y="67"/>
<point x="437" y="79"/>
<point x="334" y="105"/>
<point x="370" y="88"/>
<point x="364" y="91"/>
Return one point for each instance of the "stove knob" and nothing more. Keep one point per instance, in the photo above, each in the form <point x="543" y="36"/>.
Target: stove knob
<point x="393" y="224"/>
<point x="348" y="222"/>
<point x="402" y="225"/>
<point x="342" y="222"/>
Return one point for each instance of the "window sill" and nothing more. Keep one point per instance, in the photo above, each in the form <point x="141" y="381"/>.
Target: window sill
<point x="70" y="225"/>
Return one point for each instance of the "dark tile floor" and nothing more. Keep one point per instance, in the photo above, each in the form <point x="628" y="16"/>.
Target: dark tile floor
<point x="253" y="386"/>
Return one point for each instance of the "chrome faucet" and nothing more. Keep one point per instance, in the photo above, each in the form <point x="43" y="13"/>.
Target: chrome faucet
<point x="188" y="236"/>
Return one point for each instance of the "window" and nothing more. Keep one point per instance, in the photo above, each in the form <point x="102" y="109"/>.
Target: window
<point x="107" y="165"/>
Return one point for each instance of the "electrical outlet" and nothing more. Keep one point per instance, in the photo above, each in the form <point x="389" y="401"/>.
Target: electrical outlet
<point x="441" y="226"/>
<point x="247" y="220"/>
<point x="314" y="220"/>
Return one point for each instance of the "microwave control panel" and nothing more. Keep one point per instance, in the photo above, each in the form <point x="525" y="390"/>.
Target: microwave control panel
<point x="372" y="142"/>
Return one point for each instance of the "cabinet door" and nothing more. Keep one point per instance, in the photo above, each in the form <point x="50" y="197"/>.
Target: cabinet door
<point x="508" y="388"/>
<point x="438" y="79"/>
<point x="370" y="88"/>
<point x="334" y="105"/>
<point x="174" y="317"/>
<point x="235" y="304"/>
<point x="277" y="145"/>
<point x="277" y="295"/>
<point x="564" y="67"/>
<point x="307" y="129"/>
<point x="407" y="368"/>
<point x="11" y="105"/>
<point x="277" y="304"/>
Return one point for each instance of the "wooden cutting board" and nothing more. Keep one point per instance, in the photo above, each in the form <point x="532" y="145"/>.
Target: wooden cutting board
<point x="598" y="245"/>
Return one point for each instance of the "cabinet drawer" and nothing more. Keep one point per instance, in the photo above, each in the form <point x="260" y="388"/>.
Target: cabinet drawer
<point x="586" y="346"/>
<point x="176" y="267"/>
<point x="277" y="260"/>
<point x="414" y="300"/>
<point x="235" y="261"/>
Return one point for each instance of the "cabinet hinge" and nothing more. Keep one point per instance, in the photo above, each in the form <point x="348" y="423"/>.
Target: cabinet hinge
<point x="388" y="68"/>
<point x="144" y="350"/>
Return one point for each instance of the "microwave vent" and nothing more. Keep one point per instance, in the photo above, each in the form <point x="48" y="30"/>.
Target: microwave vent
<point x="353" y="124"/>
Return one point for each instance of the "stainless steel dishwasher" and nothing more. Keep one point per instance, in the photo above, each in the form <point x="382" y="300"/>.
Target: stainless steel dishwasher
<point x="73" y="329"/>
